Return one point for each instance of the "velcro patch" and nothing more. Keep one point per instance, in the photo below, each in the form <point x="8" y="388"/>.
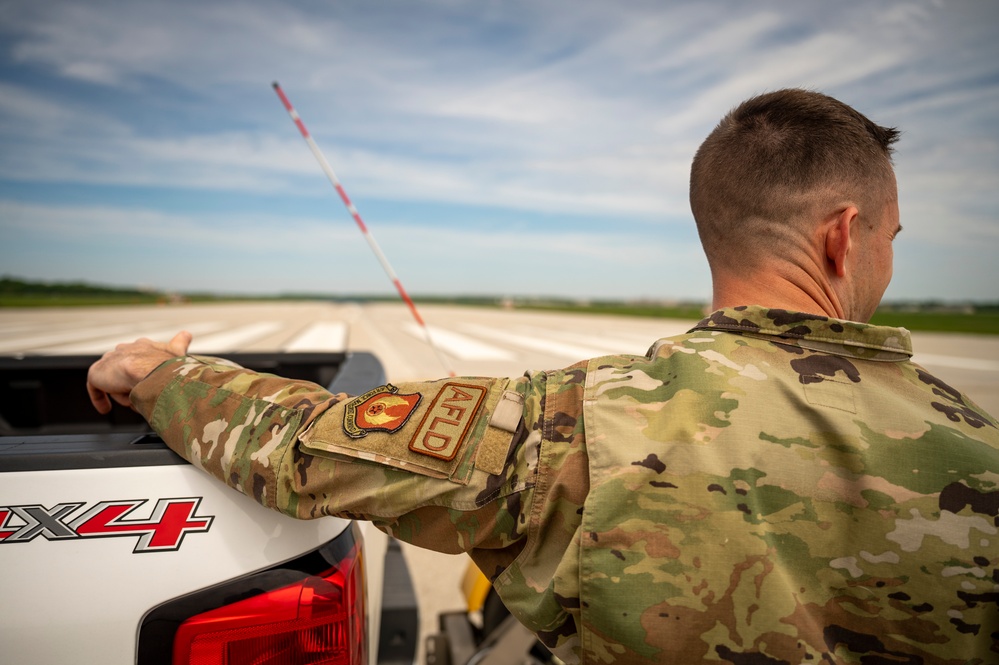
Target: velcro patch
<point x="383" y="409"/>
<point x="448" y="420"/>
<point x="508" y="412"/>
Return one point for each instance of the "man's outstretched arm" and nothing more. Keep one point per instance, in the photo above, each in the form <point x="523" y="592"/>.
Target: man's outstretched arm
<point x="295" y="447"/>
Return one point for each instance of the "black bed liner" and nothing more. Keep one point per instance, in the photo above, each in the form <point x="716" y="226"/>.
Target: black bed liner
<point x="48" y="423"/>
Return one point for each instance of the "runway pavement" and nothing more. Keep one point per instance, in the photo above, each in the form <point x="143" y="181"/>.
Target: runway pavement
<point x="475" y="341"/>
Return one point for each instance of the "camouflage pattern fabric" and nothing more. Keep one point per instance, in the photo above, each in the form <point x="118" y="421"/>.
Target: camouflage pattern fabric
<point x="771" y="487"/>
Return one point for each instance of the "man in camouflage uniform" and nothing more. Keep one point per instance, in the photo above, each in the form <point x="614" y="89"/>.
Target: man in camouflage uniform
<point x="779" y="485"/>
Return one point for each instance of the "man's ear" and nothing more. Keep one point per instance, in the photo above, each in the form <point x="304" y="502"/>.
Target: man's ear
<point x="838" y="242"/>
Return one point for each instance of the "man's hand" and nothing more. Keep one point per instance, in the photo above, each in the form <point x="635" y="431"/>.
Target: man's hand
<point x="114" y="375"/>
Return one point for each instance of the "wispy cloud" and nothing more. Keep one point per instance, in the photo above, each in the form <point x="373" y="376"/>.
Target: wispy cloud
<point x="582" y="116"/>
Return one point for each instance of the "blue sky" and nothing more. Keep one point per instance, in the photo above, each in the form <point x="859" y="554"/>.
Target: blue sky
<point x="504" y="148"/>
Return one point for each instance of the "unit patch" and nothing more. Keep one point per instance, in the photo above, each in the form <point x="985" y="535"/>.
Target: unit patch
<point x="382" y="409"/>
<point x="448" y="420"/>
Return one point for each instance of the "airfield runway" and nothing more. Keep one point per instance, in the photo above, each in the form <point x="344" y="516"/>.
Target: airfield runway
<point x="476" y="341"/>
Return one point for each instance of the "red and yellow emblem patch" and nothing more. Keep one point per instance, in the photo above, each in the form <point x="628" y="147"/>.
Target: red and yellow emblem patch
<point x="380" y="410"/>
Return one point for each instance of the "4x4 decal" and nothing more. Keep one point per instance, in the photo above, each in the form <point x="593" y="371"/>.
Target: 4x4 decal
<point x="162" y="531"/>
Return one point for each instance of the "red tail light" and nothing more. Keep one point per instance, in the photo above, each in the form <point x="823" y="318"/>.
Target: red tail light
<point x="318" y="621"/>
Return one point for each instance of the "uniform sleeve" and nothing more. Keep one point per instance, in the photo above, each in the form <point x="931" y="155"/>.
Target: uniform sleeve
<point x="441" y="464"/>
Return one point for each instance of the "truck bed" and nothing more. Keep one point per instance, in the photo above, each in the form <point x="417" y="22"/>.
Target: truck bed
<point x="47" y="421"/>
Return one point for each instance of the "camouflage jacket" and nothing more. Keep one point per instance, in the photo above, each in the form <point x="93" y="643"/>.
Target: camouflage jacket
<point x="769" y="488"/>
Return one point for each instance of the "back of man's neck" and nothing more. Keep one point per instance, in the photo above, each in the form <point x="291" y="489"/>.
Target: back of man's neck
<point x="777" y="294"/>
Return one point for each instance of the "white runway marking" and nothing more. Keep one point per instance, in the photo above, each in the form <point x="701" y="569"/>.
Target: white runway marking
<point x="234" y="338"/>
<point x="105" y="344"/>
<point x="322" y="336"/>
<point x="956" y="362"/>
<point x="11" y="329"/>
<point x="65" y="336"/>
<point x="460" y="346"/>
<point x="606" y="344"/>
<point x="573" y="351"/>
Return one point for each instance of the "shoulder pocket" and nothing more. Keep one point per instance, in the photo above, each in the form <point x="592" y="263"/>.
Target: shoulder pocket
<point x="435" y="429"/>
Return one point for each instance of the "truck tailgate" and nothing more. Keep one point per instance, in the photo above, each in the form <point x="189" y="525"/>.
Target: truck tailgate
<point x="174" y="530"/>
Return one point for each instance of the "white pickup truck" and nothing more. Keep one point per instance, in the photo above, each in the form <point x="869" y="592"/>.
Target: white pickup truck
<point x="115" y="551"/>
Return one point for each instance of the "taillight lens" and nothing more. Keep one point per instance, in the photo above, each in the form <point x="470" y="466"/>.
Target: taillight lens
<point x="318" y="621"/>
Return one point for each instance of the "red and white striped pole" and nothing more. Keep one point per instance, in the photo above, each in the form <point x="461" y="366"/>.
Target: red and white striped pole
<point x="328" y="170"/>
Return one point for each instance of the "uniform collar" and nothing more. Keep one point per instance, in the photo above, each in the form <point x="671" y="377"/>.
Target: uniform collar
<point x="812" y="331"/>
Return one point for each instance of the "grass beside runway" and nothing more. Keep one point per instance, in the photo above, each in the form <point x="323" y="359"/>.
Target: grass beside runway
<point x="981" y="319"/>
<point x="978" y="322"/>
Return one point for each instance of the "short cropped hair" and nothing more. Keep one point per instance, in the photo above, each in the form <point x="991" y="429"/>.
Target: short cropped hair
<point x="774" y="160"/>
